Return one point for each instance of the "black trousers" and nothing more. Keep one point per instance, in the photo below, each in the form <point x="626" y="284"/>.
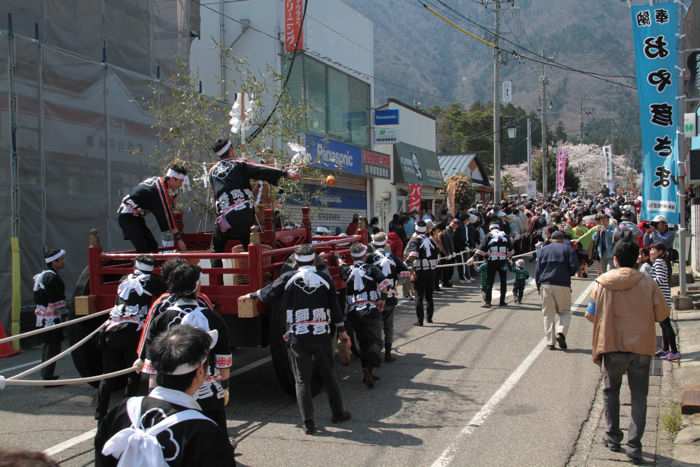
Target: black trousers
<point x="241" y="222"/>
<point x="388" y="321"/>
<point x="500" y="267"/>
<point x="368" y="330"/>
<point x="447" y="272"/>
<point x="424" y="291"/>
<point x="669" y="336"/>
<point x="118" y="347"/>
<point x="50" y="348"/>
<point x="135" y="230"/>
<point x="303" y="350"/>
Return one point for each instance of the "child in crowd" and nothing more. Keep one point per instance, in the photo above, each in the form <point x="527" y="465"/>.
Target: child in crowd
<point x="644" y="262"/>
<point x="661" y="273"/>
<point x="521" y="277"/>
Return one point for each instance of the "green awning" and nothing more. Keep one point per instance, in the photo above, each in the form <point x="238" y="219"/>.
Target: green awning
<point x="416" y="165"/>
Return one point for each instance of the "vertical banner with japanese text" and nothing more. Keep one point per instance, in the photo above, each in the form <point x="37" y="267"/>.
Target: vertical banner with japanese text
<point x="654" y="32"/>
<point x="608" y="168"/>
<point x="562" y="165"/>
<point x="293" y="17"/>
<point x="415" y="196"/>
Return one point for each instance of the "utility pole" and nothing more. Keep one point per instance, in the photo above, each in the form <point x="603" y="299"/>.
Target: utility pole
<point x="529" y="150"/>
<point x="497" y="107"/>
<point x="543" y="116"/>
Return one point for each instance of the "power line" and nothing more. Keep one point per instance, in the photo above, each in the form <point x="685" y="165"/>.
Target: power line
<point x="548" y="62"/>
<point x="242" y="23"/>
<point x="532" y="52"/>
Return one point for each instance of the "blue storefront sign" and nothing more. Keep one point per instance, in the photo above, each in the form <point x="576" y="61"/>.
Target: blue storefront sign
<point x="386" y="117"/>
<point x="333" y="155"/>
<point x="654" y="31"/>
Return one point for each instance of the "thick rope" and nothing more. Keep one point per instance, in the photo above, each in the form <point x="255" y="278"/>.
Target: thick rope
<point x="62" y="382"/>
<point x="55" y="326"/>
<point x="60" y="355"/>
<point x="449" y="265"/>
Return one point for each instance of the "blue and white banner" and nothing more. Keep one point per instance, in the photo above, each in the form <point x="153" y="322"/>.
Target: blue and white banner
<point x="334" y="155"/>
<point x="654" y="32"/>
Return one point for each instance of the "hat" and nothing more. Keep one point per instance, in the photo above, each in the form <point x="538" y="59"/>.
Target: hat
<point x="145" y="264"/>
<point x="421" y="227"/>
<point x="520" y="263"/>
<point x="659" y="218"/>
<point x="379" y="239"/>
<point x="494" y="227"/>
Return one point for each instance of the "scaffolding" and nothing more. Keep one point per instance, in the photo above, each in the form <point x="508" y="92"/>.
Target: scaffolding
<point x="74" y="77"/>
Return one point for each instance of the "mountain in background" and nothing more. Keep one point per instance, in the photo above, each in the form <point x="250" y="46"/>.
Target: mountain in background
<point x="424" y="62"/>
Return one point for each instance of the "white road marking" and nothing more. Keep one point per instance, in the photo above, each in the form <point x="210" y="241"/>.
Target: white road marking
<point x="487" y="409"/>
<point x="60" y="447"/>
<point x="4" y="371"/>
<point x="88" y="435"/>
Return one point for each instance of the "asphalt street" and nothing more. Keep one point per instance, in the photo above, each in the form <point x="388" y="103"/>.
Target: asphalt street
<point x="477" y="387"/>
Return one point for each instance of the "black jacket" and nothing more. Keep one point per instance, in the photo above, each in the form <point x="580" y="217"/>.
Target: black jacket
<point x="230" y="180"/>
<point x="151" y="195"/>
<point x="188" y="443"/>
<point x="50" y="298"/>
<point x="307" y="305"/>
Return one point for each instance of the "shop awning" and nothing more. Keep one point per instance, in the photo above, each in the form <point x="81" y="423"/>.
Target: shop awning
<point x="416" y="165"/>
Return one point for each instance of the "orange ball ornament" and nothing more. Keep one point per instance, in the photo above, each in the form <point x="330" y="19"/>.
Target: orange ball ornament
<point x="330" y="180"/>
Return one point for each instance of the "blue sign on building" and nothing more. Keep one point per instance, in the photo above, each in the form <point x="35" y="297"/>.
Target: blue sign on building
<point x="654" y="31"/>
<point x="386" y="117"/>
<point x="333" y="155"/>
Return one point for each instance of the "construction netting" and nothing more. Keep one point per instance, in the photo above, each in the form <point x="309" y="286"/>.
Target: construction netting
<point x="76" y="96"/>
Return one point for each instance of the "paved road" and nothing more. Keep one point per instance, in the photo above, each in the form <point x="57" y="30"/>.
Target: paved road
<point x="475" y="388"/>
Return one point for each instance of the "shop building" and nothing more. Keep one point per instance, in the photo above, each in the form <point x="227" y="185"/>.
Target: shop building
<point x="410" y="136"/>
<point x="468" y="165"/>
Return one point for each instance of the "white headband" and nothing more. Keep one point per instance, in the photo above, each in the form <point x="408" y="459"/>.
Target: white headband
<point x="359" y="254"/>
<point x="186" y="368"/>
<point x="60" y="254"/>
<point x="145" y="267"/>
<point x="304" y="258"/>
<point x="379" y="243"/>
<point x="175" y="174"/>
<point x="225" y="149"/>
<point x="420" y="229"/>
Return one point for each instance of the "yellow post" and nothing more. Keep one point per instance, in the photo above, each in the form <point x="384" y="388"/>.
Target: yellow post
<point x="16" y="290"/>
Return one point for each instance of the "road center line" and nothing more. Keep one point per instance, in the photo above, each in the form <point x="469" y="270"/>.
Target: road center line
<point x="88" y="435"/>
<point x="4" y="371"/>
<point x="487" y="409"/>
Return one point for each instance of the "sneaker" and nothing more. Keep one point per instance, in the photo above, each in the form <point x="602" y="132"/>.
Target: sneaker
<point x="418" y="323"/>
<point x="672" y="356"/>
<point x="486" y="305"/>
<point x="309" y="427"/>
<point x="661" y="353"/>
<point x="552" y="347"/>
<point x="561" y="340"/>
<point x="341" y="417"/>
<point x="388" y="357"/>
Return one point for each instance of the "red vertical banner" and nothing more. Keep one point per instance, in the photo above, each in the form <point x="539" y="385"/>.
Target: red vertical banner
<point x="293" y="17"/>
<point x="415" y="196"/>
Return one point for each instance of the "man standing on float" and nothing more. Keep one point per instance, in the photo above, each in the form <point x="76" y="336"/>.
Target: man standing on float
<point x="234" y="200"/>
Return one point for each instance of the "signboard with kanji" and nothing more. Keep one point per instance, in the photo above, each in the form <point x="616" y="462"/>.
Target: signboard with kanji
<point x="655" y="36"/>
